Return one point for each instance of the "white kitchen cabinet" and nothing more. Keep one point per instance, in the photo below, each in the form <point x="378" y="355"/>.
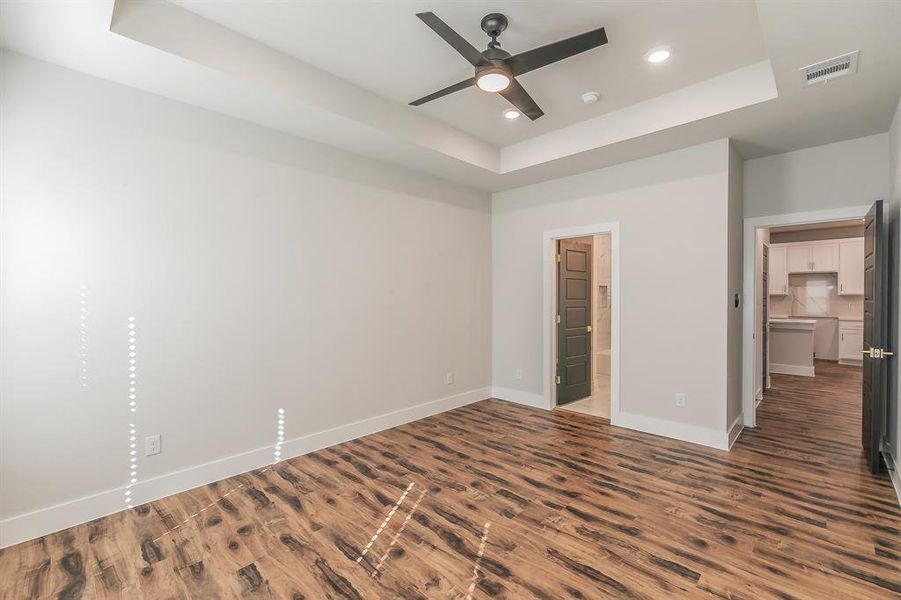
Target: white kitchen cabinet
<point x="824" y="258"/>
<point x="850" y="342"/>
<point x="777" y="274"/>
<point x="850" y="268"/>
<point x="813" y="258"/>
<point x="798" y="259"/>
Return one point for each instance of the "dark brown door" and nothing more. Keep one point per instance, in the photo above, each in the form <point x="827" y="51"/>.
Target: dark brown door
<point x="574" y="320"/>
<point x="765" y="318"/>
<point x="875" y="338"/>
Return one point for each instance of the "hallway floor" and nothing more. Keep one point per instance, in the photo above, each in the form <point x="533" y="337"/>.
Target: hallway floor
<point x="497" y="500"/>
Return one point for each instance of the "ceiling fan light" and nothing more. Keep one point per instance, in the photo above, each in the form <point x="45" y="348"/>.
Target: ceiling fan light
<point x="494" y="80"/>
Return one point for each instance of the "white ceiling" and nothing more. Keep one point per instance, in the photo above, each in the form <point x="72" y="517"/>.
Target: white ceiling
<point x="383" y="47"/>
<point x="342" y="73"/>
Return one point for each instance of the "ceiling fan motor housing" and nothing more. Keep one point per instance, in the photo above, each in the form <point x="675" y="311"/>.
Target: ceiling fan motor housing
<point x="494" y="63"/>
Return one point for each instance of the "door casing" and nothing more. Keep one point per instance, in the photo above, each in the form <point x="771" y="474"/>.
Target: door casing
<point x="549" y="309"/>
<point x="749" y="261"/>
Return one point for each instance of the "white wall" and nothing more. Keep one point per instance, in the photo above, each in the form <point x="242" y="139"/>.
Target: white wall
<point x="672" y="211"/>
<point x="849" y="173"/>
<point x="894" y="420"/>
<point x="263" y="272"/>
<point x="735" y="224"/>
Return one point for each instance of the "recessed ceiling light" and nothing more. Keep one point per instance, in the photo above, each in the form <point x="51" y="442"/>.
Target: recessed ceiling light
<point x="658" y="55"/>
<point x="590" y="97"/>
<point x="511" y="114"/>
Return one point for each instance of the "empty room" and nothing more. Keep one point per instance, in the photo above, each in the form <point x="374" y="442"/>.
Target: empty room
<point x="450" y="299"/>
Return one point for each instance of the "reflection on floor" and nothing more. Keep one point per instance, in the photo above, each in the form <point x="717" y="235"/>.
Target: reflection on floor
<point x="596" y="405"/>
<point x="507" y="501"/>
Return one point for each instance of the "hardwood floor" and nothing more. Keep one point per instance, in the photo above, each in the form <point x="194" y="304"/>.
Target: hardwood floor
<point x="499" y="500"/>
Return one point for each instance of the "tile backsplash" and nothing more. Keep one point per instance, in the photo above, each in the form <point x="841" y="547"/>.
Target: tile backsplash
<point x="815" y="295"/>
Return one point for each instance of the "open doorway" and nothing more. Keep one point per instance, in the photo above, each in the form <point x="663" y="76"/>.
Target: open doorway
<point x="819" y="320"/>
<point x="584" y="318"/>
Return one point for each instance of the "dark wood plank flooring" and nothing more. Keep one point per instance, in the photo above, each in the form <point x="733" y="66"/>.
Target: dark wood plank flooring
<point x="513" y="502"/>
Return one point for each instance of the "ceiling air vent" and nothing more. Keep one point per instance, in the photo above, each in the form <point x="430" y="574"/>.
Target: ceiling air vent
<point x="823" y="71"/>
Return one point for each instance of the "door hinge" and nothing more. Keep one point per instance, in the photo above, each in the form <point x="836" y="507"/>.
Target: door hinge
<point x="557" y="319"/>
<point x="557" y="380"/>
<point x="558" y="258"/>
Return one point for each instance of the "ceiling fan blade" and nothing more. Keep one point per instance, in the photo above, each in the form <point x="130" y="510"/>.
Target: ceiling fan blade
<point x="448" y="90"/>
<point x="520" y="98"/>
<point x="545" y="55"/>
<point x="452" y="37"/>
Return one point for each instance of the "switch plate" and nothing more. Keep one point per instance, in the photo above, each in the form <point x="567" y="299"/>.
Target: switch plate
<point x="680" y="399"/>
<point x="449" y="378"/>
<point x="519" y="373"/>
<point x="152" y="445"/>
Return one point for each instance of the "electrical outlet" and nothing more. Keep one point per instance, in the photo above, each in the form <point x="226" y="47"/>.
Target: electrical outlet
<point x="680" y="400"/>
<point x="519" y="373"/>
<point x="152" y="445"/>
<point x="449" y="378"/>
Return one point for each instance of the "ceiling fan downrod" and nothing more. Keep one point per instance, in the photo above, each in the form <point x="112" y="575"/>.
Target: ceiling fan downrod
<point x="494" y="24"/>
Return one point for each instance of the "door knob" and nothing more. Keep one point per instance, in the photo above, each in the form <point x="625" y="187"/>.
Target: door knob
<point x="877" y="353"/>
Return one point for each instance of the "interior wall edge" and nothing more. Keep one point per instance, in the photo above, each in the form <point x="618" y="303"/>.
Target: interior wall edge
<point x="738" y="425"/>
<point x="31" y="525"/>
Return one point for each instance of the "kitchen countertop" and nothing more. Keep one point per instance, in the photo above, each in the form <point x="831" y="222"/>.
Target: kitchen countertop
<point x="815" y="317"/>
<point x="793" y="323"/>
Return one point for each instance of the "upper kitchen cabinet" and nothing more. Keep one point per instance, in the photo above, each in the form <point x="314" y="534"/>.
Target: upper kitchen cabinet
<point x="777" y="271"/>
<point x="798" y="259"/>
<point x="843" y="257"/>
<point x="824" y="258"/>
<point x="850" y="268"/>
<point x="813" y="258"/>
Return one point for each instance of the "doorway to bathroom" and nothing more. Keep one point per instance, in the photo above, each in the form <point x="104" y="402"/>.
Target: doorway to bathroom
<point x="583" y="324"/>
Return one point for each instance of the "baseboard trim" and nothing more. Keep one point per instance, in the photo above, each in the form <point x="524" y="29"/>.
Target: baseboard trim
<point x="738" y="425"/>
<point x="791" y="370"/>
<point x="893" y="474"/>
<point x="27" y="526"/>
<point x="850" y="362"/>
<point x="704" y="436"/>
<point x="520" y="397"/>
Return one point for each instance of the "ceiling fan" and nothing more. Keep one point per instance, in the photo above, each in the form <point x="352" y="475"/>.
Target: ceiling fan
<point x="496" y="70"/>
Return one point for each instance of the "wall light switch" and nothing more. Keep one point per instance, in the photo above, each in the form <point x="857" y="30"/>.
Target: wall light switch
<point x="449" y="378"/>
<point x="152" y="445"/>
<point x="519" y="373"/>
<point x="680" y="399"/>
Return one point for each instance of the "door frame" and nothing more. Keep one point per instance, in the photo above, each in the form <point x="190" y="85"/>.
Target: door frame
<point x="764" y="317"/>
<point x="749" y="261"/>
<point x="549" y="308"/>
